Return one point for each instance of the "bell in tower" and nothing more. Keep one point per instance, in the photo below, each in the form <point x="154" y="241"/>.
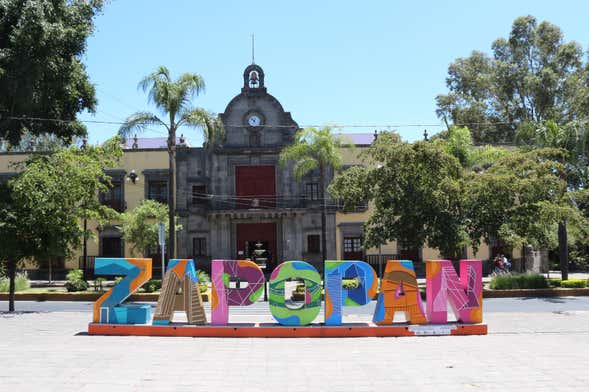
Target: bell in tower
<point x="253" y="79"/>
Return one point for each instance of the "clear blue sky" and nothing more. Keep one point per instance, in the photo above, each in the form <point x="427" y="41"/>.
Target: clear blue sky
<point x="344" y="62"/>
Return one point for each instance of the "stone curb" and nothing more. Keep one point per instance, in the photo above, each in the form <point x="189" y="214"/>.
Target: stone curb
<point x="554" y="292"/>
<point x="89" y="297"/>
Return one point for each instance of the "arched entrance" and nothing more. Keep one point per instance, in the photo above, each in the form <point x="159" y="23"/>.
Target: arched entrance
<point x="257" y="242"/>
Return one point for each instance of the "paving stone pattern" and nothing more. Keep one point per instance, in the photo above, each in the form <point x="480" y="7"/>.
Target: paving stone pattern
<point x="523" y="352"/>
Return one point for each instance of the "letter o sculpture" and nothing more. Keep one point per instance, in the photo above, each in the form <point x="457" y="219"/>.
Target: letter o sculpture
<point x="309" y="311"/>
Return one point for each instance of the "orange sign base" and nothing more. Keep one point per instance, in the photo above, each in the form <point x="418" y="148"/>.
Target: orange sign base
<point x="269" y="330"/>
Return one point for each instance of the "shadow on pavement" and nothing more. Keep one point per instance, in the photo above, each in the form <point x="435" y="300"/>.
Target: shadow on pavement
<point x="552" y="300"/>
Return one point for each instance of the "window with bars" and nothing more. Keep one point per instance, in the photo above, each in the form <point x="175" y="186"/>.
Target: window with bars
<point x="352" y="244"/>
<point x="199" y="246"/>
<point x="312" y="191"/>
<point x="113" y="198"/>
<point x="314" y="243"/>
<point x="199" y="194"/>
<point x="158" y="191"/>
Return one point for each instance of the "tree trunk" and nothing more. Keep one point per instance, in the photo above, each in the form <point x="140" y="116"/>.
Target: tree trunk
<point x="171" y="204"/>
<point x="563" y="249"/>
<point x="323" y="213"/>
<point x="50" y="270"/>
<point x="12" y="277"/>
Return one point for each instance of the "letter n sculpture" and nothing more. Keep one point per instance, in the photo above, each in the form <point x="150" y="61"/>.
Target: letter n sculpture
<point x="465" y="294"/>
<point x="180" y="273"/>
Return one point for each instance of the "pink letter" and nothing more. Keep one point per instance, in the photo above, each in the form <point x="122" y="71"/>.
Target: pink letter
<point x="465" y="294"/>
<point x="223" y="296"/>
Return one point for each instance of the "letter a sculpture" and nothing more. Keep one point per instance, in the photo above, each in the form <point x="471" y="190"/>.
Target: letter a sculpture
<point x="399" y="293"/>
<point x="180" y="272"/>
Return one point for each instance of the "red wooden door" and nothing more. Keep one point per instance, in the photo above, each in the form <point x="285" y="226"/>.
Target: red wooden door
<point x="255" y="186"/>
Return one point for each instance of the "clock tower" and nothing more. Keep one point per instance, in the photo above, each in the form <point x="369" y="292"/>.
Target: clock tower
<point x="236" y="201"/>
<point x="254" y="118"/>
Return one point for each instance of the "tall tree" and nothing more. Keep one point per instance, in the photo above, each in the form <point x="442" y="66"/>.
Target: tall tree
<point x="40" y="214"/>
<point x="573" y="138"/>
<point x="521" y="198"/>
<point x="43" y="81"/>
<point x="533" y="76"/>
<point x="315" y="149"/>
<point x="173" y="99"/>
<point x="417" y="194"/>
<point x="458" y="142"/>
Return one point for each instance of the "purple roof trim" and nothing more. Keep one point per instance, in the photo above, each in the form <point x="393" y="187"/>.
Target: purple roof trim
<point x="151" y="143"/>
<point x="359" y="139"/>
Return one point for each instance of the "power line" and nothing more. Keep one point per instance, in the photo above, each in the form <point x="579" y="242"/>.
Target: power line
<point x="25" y="118"/>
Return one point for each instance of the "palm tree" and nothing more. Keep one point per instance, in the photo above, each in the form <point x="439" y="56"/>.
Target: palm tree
<point x="173" y="99"/>
<point x="315" y="148"/>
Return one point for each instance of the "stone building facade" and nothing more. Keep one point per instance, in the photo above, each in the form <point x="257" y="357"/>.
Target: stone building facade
<point x="235" y="201"/>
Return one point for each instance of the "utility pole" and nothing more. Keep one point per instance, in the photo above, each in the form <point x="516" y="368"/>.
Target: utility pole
<point x="162" y="242"/>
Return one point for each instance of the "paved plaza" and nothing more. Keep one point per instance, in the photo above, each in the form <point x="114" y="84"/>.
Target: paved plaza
<point x="532" y="345"/>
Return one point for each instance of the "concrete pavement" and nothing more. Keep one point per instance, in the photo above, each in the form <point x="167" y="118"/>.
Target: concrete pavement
<point x="534" y="345"/>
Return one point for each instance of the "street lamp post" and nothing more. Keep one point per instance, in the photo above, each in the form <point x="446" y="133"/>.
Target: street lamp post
<point x="85" y="251"/>
<point x="162" y="242"/>
<point x="379" y="262"/>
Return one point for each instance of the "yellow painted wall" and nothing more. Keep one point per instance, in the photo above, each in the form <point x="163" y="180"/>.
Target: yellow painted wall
<point x="7" y="161"/>
<point x="358" y="217"/>
<point x="352" y="157"/>
<point x="138" y="160"/>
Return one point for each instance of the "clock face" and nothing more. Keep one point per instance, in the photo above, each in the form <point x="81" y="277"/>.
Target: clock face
<point x="254" y="120"/>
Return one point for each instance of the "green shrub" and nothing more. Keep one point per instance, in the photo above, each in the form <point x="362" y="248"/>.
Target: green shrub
<point x="76" y="285"/>
<point x="75" y="281"/>
<point x="203" y="277"/>
<point x="300" y="288"/>
<point x="117" y="280"/>
<point x="521" y="281"/>
<point x="21" y="283"/>
<point x="350" y="284"/>
<point x="203" y="287"/>
<point x="152" y="286"/>
<point x="555" y="282"/>
<point x="76" y="274"/>
<point x="573" y="283"/>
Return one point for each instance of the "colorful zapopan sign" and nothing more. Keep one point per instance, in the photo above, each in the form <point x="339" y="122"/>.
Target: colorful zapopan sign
<point x="399" y="292"/>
